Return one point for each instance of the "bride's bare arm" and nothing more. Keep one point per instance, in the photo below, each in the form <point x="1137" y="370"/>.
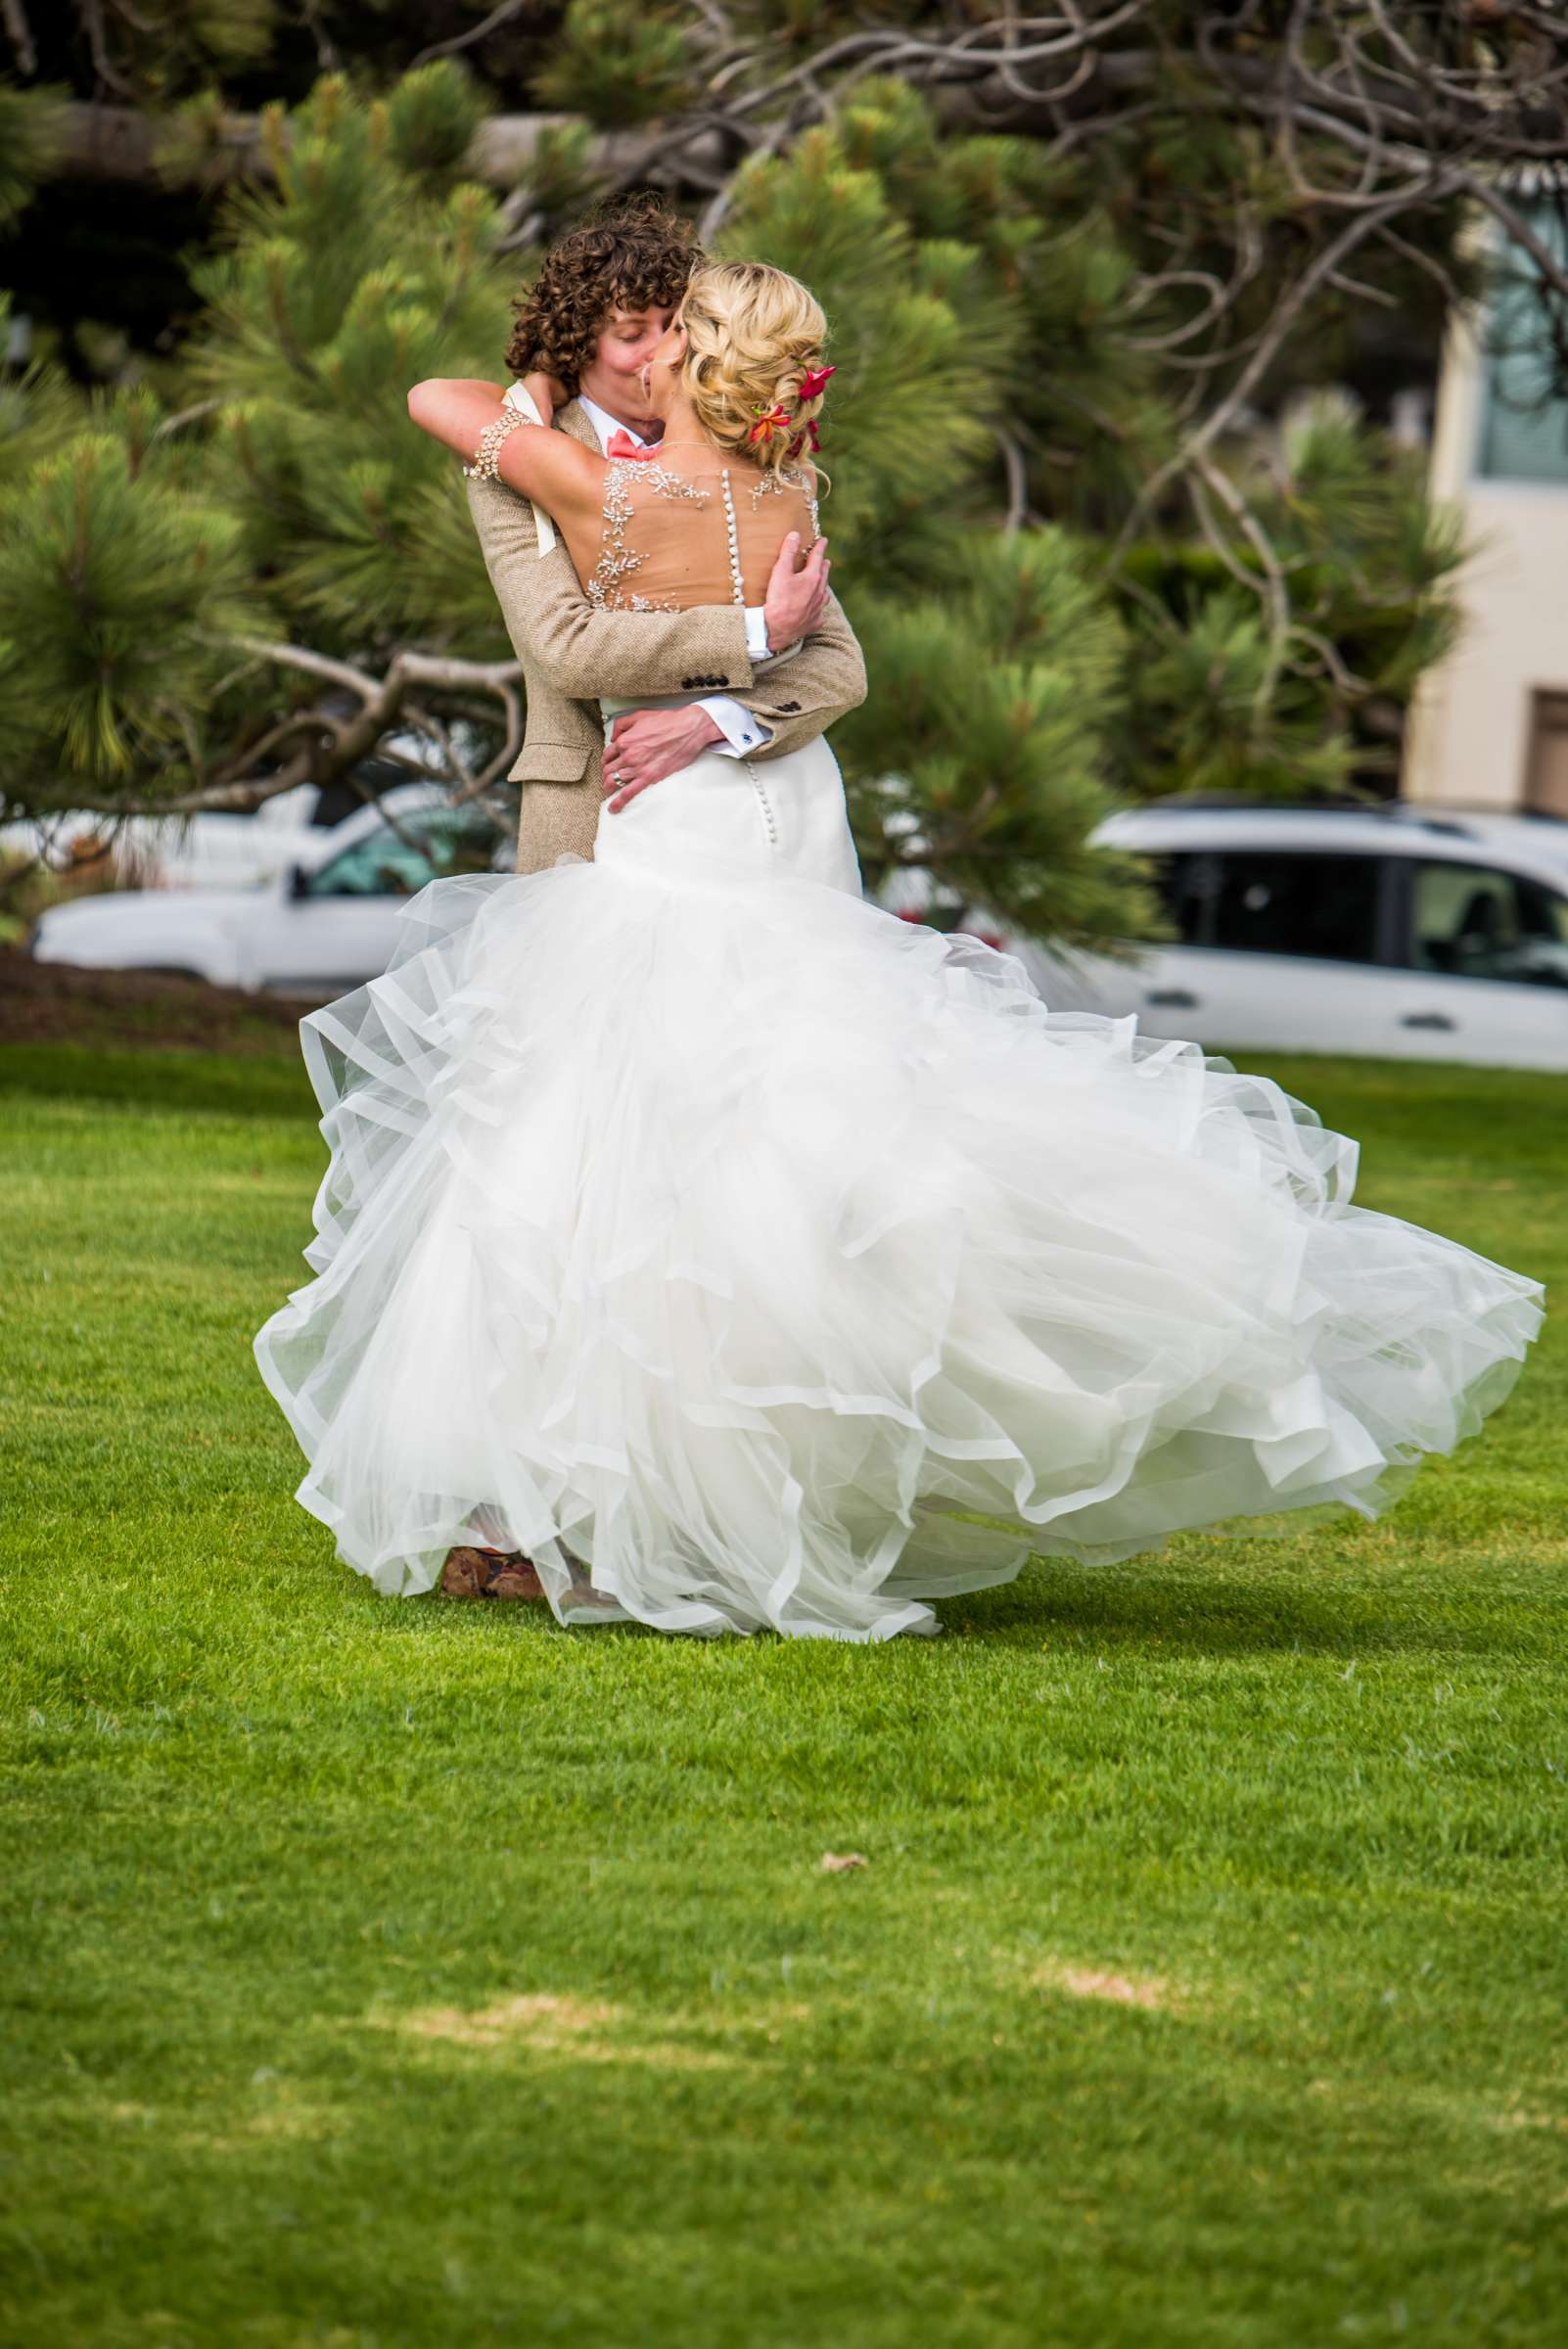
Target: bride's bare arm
<point x="561" y="473"/>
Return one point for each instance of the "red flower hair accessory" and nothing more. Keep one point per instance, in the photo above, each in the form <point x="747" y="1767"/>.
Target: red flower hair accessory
<point x="768" y="422"/>
<point x="814" y="383"/>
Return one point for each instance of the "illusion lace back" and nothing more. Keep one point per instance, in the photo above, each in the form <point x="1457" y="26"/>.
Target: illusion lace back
<point x="693" y="528"/>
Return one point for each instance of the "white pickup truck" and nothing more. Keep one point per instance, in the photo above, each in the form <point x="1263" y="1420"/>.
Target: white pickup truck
<point x="324" y="921"/>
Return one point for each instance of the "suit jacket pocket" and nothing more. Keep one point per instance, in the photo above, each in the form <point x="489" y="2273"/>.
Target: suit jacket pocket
<point x="550" y="762"/>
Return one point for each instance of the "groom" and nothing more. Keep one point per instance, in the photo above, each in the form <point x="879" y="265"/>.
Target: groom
<point x="601" y="301"/>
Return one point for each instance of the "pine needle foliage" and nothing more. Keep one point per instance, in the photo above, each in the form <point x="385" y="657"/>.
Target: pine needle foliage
<point x="980" y="759"/>
<point x="366" y="267"/>
<point x="1057" y="612"/>
<point x="618" y="66"/>
<point x="118" y="599"/>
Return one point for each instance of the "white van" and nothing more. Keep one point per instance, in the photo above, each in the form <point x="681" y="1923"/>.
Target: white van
<point x="1402" y="931"/>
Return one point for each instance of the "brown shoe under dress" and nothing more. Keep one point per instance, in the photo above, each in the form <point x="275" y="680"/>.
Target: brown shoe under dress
<point x="475" y="1573"/>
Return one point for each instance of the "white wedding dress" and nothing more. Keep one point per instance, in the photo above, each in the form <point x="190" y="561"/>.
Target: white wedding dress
<point x="702" y="1229"/>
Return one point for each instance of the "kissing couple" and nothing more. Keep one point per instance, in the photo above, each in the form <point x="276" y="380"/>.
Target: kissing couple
<point x="702" y="1246"/>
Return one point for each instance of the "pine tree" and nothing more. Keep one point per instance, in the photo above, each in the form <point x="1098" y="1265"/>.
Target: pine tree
<point x="1091" y="548"/>
<point x="286" y="521"/>
<point x="332" y="531"/>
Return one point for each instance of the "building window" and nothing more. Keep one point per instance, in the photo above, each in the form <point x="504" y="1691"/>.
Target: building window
<point x="1524" y="425"/>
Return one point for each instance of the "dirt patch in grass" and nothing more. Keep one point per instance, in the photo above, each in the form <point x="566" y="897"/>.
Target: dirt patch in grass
<point x="538" y="2018"/>
<point x="58" y="1003"/>
<point x="552" y="2026"/>
<point x="288" y="2120"/>
<point x="1115" y="1990"/>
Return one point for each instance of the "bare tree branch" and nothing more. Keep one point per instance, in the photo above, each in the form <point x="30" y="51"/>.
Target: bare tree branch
<point x="1017" y="481"/>
<point x="333" y="745"/>
<point x="501" y="15"/>
<point x="1287" y="311"/>
<point x="19" y="32"/>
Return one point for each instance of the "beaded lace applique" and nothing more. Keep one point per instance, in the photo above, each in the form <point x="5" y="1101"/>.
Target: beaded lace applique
<point x="776" y="479"/>
<point x="616" y="559"/>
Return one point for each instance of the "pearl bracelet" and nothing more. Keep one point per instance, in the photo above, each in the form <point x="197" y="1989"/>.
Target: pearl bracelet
<point x="482" y="468"/>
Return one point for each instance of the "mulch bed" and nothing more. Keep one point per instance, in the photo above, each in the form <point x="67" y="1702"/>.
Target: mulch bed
<point x="55" y="1003"/>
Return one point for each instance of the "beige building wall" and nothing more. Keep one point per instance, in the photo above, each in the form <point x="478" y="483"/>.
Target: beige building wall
<point x="1472" y="738"/>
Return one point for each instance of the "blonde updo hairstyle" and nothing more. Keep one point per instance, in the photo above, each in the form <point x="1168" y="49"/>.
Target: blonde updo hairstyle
<point x="752" y="334"/>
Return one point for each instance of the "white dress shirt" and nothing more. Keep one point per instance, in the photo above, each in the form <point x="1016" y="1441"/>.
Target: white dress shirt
<point x="742" y="731"/>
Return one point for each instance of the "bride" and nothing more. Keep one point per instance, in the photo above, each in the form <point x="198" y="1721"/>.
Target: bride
<point x="748" y="1257"/>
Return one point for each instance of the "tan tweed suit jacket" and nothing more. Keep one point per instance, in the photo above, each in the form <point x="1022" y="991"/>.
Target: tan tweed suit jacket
<point x="571" y="653"/>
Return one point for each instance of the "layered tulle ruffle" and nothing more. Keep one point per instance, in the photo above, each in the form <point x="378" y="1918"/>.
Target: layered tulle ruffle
<point x="738" y="1245"/>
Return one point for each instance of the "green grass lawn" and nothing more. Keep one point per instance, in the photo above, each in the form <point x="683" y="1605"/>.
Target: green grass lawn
<point x="399" y="1972"/>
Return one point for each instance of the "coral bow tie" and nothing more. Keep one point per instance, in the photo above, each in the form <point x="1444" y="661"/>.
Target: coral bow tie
<point x="622" y="445"/>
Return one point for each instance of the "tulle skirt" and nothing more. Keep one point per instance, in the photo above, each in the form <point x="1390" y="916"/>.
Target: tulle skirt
<point x="716" y="1238"/>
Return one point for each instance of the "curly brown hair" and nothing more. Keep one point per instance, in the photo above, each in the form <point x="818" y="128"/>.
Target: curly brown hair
<point x="636" y="257"/>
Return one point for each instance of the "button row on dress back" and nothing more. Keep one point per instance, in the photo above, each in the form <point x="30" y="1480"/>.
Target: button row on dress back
<point x="736" y="586"/>
<point x="770" y="825"/>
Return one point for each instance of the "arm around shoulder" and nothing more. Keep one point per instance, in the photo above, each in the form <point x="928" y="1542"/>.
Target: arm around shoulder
<point x="542" y="464"/>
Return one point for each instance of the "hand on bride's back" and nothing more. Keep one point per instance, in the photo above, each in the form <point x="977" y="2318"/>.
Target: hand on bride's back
<point x="795" y="597"/>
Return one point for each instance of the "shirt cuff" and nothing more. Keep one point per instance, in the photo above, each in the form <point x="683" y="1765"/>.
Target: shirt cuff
<point x="742" y="731"/>
<point x="758" y="647"/>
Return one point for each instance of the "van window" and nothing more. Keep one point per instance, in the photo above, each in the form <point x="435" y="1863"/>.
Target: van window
<point x="1285" y="902"/>
<point x="1469" y="921"/>
<point x="1187" y="884"/>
